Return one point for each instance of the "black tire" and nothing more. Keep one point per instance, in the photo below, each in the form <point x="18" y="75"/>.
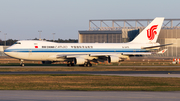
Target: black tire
<point x="85" y="65"/>
<point x="88" y="64"/>
<point x="81" y="65"/>
<point x="72" y="64"/>
<point x="22" y="64"/>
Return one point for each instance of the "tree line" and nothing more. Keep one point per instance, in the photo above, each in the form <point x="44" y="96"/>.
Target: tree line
<point x="10" y="42"/>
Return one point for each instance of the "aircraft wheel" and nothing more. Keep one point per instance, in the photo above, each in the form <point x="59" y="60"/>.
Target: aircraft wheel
<point x="72" y="64"/>
<point x="85" y="65"/>
<point x="22" y="65"/>
<point x="88" y="64"/>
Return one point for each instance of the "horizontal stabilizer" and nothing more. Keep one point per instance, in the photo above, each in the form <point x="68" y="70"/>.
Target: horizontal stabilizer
<point x="162" y="51"/>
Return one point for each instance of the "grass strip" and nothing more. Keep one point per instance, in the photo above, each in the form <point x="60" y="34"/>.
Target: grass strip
<point x="87" y="83"/>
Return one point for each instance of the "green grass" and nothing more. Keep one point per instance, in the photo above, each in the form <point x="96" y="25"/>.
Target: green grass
<point x="87" y="83"/>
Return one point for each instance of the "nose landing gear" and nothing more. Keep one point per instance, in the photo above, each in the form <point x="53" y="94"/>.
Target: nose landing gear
<point x="21" y="63"/>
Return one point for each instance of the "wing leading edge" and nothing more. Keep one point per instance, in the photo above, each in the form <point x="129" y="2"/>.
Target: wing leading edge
<point x="158" y="46"/>
<point x="108" y="54"/>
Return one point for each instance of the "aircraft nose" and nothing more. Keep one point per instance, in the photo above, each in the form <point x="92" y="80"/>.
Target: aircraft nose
<point x="6" y="51"/>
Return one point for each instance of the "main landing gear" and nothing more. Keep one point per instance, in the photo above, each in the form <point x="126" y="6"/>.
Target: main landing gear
<point x="22" y="63"/>
<point x="87" y="64"/>
<point x="70" y="64"/>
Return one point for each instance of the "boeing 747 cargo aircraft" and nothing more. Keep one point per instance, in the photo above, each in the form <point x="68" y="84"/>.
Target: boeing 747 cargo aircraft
<point x="85" y="53"/>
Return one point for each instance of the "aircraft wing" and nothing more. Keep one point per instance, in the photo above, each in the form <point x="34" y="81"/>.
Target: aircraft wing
<point x="145" y="53"/>
<point x="71" y="55"/>
<point x="156" y="46"/>
<point x="95" y="57"/>
<point x="109" y="54"/>
<point x="101" y="55"/>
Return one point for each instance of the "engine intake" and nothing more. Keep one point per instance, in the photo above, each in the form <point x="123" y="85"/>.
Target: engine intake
<point x="79" y="61"/>
<point x="113" y="59"/>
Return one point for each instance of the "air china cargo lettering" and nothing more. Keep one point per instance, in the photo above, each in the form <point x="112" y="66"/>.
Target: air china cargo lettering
<point x="81" y="46"/>
<point x="74" y="47"/>
<point x="54" y="46"/>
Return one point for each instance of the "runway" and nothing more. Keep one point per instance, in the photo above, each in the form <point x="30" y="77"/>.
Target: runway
<point x="92" y="72"/>
<point x="22" y="95"/>
<point x="11" y="95"/>
<point x="55" y="66"/>
<point x="112" y="73"/>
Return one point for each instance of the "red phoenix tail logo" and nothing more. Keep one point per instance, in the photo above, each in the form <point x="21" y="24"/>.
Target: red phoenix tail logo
<point x="151" y="32"/>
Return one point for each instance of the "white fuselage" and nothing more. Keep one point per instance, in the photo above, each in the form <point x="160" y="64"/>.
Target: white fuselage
<point x="48" y="51"/>
<point x="84" y="53"/>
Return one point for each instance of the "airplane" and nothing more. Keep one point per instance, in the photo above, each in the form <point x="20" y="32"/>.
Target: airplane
<point x="84" y="53"/>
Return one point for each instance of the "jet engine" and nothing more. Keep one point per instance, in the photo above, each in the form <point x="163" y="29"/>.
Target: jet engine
<point x="79" y="61"/>
<point x="113" y="59"/>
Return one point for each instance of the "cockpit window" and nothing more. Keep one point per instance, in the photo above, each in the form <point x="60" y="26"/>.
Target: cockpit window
<point x="17" y="43"/>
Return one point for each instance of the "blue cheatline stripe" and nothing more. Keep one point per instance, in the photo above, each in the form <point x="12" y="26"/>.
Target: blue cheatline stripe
<point x="75" y="50"/>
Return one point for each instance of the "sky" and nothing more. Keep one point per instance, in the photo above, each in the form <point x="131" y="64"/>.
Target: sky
<point x="22" y="19"/>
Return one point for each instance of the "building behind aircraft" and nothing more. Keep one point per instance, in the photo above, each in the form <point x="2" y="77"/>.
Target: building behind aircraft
<point x="125" y="30"/>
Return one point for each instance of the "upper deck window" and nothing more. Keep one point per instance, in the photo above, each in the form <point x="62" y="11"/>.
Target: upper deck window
<point x="17" y="43"/>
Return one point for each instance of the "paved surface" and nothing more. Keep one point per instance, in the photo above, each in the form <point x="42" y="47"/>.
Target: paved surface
<point x="79" y="66"/>
<point x="9" y="95"/>
<point x="92" y="72"/>
<point x="115" y="73"/>
<point x="146" y="75"/>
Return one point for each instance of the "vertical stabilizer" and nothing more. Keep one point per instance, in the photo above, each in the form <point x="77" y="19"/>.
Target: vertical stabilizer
<point x="150" y="33"/>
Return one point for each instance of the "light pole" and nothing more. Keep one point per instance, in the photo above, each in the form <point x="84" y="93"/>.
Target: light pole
<point x="5" y="39"/>
<point x="53" y="36"/>
<point x="39" y="34"/>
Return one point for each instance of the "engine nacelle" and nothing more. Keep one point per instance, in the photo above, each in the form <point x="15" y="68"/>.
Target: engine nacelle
<point x="113" y="59"/>
<point x="79" y="61"/>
